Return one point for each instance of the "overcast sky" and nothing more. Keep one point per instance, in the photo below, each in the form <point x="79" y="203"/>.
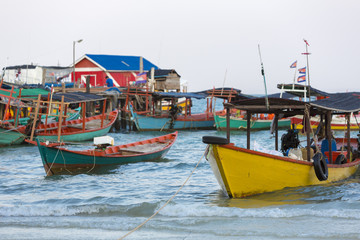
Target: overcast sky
<point x="207" y="42"/>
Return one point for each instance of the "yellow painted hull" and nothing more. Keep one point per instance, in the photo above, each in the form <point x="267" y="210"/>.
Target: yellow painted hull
<point x="241" y="172"/>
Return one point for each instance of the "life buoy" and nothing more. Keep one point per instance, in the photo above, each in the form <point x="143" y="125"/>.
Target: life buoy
<point x="320" y="166"/>
<point x="215" y="140"/>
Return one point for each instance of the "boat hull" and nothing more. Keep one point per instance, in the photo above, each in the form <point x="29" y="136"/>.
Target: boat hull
<point x="241" y="172"/>
<point x="71" y="133"/>
<point x="152" y="123"/>
<point x="241" y="124"/>
<point x="337" y="123"/>
<point x="58" y="159"/>
<point x="10" y="137"/>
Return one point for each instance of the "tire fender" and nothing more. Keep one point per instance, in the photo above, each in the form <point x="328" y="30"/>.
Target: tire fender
<point x="215" y="140"/>
<point x="320" y="167"/>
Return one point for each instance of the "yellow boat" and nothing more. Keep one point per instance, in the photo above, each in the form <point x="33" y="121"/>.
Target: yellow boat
<point x="243" y="172"/>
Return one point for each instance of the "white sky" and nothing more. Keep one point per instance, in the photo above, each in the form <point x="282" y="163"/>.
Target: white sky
<point x="200" y="39"/>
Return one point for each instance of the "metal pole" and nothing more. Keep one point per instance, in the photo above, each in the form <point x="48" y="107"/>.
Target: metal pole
<point x="307" y="67"/>
<point x="263" y="73"/>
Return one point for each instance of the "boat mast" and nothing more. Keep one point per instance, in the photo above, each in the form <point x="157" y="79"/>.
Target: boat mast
<point x="263" y="73"/>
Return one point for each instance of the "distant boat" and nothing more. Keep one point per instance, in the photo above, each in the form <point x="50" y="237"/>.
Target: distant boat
<point x="77" y="130"/>
<point x="337" y="122"/>
<point x="174" y="118"/>
<point x="58" y="159"/>
<point x="256" y="123"/>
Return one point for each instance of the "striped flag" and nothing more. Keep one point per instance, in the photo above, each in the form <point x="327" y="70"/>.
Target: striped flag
<point x="302" y="70"/>
<point x="293" y="65"/>
<point x="141" y="78"/>
<point x="301" y="78"/>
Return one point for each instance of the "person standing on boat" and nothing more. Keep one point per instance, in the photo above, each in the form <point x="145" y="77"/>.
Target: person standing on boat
<point x="109" y="82"/>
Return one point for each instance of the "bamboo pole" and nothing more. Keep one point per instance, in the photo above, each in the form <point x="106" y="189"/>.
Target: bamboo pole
<point x="60" y="118"/>
<point x="35" y="118"/>
<point x="103" y="113"/>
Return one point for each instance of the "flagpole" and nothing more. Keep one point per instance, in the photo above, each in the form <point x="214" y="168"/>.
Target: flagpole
<point x="295" y="75"/>
<point x="307" y="68"/>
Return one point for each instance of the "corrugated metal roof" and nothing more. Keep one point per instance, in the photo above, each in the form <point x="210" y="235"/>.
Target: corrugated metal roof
<point x="121" y="63"/>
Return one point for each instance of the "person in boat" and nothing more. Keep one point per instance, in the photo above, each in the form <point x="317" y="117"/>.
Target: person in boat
<point x="173" y="112"/>
<point x="109" y="82"/>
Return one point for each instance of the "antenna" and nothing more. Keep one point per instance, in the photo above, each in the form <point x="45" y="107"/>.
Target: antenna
<point x="263" y="73"/>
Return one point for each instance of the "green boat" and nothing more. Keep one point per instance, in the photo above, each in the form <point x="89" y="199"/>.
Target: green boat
<point x="10" y="136"/>
<point x="59" y="158"/>
<point x="239" y="123"/>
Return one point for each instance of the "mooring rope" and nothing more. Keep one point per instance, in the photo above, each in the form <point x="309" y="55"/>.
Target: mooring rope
<point x="168" y="201"/>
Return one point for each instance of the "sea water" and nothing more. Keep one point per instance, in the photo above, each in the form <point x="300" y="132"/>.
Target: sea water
<point x="111" y="203"/>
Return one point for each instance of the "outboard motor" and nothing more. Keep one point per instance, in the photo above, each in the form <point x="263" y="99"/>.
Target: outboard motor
<point x="289" y="140"/>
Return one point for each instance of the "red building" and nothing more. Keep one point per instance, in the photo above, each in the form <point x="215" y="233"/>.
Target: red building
<point x="121" y="69"/>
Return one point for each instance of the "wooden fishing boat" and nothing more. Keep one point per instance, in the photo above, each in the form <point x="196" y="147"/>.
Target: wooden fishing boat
<point x="59" y="159"/>
<point x="244" y="172"/>
<point x="337" y="122"/>
<point x="82" y="129"/>
<point x="77" y="130"/>
<point x="181" y="118"/>
<point x="256" y="122"/>
<point x="175" y="118"/>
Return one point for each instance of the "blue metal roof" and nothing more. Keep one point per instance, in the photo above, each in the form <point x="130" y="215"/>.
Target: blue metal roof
<point x="121" y="63"/>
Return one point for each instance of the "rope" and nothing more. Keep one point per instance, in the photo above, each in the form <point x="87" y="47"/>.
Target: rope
<point x="52" y="162"/>
<point x="168" y="201"/>
<point x="93" y="164"/>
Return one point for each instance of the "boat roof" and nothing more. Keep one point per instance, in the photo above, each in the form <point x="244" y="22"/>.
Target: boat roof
<point x="75" y="97"/>
<point x="177" y="95"/>
<point x="225" y="92"/>
<point x="298" y="90"/>
<point x="337" y="103"/>
<point x="340" y="102"/>
<point x="288" y="107"/>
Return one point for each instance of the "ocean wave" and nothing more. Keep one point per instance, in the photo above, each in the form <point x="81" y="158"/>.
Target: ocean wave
<point x="214" y="211"/>
<point x="140" y="209"/>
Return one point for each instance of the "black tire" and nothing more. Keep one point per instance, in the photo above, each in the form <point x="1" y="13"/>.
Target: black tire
<point x="341" y="159"/>
<point x="215" y="140"/>
<point x="320" y="166"/>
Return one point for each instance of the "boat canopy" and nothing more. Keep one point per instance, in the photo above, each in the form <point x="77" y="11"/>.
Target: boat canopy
<point x="340" y="102"/>
<point x="225" y="93"/>
<point x="75" y="97"/>
<point x="298" y="90"/>
<point x="177" y="95"/>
